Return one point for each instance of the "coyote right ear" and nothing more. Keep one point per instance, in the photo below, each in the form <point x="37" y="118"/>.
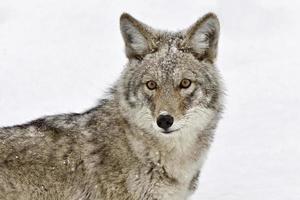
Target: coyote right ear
<point x="139" y="38"/>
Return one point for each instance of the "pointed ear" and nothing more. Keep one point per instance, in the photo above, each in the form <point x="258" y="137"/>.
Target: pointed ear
<point x="202" y="37"/>
<point x="139" y="38"/>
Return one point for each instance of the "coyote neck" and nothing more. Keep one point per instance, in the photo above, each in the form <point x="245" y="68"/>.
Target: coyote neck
<point x="179" y="157"/>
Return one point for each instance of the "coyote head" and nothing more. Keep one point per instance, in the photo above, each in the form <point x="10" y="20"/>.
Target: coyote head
<point x="170" y="83"/>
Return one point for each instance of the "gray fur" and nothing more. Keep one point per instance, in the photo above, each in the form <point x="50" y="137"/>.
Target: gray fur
<point x="115" y="151"/>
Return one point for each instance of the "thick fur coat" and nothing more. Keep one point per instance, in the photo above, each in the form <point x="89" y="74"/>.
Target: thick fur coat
<point x="121" y="150"/>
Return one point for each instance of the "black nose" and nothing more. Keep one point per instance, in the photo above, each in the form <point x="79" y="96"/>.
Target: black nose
<point x="165" y="121"/>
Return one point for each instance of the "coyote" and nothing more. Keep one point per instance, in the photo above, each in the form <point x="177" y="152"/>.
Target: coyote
<point x="146" y="141"/>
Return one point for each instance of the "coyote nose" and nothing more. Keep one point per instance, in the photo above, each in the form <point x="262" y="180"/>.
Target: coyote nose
<point x="165" y="121"/>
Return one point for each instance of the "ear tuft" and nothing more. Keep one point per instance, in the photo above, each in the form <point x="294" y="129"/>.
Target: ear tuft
<point x="137" y="36"/>
<point x="202" y="37"/>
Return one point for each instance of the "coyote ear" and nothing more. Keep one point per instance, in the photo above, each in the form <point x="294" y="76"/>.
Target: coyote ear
<point x="139" y="38"/>
<point x="202" y="37"/>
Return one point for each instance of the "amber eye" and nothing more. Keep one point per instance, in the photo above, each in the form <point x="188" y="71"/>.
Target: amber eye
<point x="185" y="83"/>
<point x="151" y="85"/>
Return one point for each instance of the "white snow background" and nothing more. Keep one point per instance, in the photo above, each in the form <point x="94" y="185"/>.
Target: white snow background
<point x="60" y="56"/>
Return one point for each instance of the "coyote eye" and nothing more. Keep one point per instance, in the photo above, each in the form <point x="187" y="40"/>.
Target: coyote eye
<point x="151" y="85"/>
<point x="185" y="83"/>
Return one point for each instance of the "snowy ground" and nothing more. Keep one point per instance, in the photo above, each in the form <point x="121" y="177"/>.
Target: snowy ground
<point x="59" y="56"/>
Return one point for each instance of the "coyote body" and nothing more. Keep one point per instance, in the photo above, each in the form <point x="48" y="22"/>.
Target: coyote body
<point x="146" y="141"/>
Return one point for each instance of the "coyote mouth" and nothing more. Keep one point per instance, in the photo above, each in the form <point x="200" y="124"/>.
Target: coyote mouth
<point x="169" y="131"/>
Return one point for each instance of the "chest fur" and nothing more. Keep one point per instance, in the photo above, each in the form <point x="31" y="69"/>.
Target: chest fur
<point x="166" y="169"/>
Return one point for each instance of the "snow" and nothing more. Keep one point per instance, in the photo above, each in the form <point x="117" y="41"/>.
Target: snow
<point x="60" y="56"/>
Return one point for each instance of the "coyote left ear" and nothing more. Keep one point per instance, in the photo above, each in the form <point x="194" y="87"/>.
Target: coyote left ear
<point x="139" y="38"/>
<point x="202" y="37"/>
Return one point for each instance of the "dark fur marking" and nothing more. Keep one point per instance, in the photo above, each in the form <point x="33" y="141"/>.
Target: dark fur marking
<point x="165" y="174"/>
<point x="127" y="94"/>
<point x="194" y="182"/>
